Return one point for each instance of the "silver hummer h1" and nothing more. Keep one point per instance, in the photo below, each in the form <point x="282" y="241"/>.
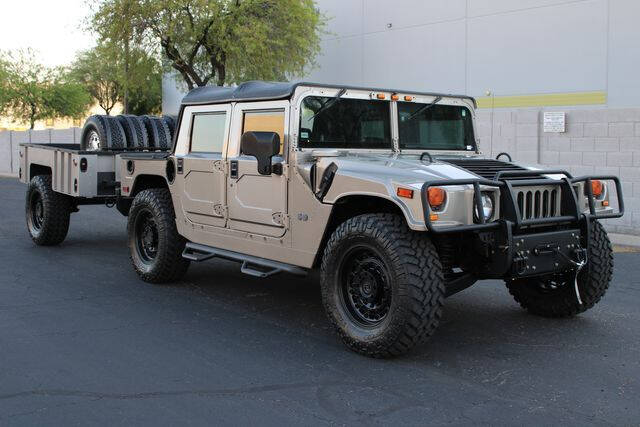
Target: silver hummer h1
<point x="385" y="191"/>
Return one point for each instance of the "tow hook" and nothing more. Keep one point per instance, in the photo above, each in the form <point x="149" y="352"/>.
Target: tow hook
<point x="520" y="262"/>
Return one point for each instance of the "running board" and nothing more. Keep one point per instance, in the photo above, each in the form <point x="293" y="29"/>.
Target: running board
<point x="251" y="265"/>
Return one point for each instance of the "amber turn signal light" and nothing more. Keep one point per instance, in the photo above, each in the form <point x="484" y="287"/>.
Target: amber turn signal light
<point x="381" y="96"/>
<point x="596" y="187"/>
<point x="405" y="192"/>
<point x="408" y="98"/>
<point x="436" y="196"/>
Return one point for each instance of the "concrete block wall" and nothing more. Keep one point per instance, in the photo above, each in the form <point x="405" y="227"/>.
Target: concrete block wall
<point x="596" y="141"/>
<point x="11" y="140"/>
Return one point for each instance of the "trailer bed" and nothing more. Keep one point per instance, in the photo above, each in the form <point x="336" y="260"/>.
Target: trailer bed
<point x="76" y="173"/>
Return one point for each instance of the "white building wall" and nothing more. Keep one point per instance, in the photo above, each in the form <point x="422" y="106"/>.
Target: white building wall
<point x="513" y="53"/>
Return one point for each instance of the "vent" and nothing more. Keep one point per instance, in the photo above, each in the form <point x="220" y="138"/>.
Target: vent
<point x="486" y="168"/>
<point x="538" y="202"/>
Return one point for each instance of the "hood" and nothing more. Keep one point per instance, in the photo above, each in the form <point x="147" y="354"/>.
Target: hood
<point x="409" y="169"/>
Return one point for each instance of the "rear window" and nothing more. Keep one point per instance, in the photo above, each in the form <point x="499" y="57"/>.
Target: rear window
<point x="207" y="132"/>
<point x="344" y="123"/>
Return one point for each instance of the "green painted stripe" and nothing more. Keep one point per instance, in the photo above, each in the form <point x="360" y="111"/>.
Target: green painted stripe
<point x="542" y="100"/>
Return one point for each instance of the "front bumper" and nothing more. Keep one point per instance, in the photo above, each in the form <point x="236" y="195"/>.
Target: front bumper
<point x="515" y="247"/>
<point x="506" y="182"/>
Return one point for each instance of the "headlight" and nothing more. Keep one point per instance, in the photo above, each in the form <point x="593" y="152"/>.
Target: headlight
<point x="487" y="207"/>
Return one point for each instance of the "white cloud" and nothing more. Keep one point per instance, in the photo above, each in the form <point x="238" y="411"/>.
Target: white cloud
<point x="51" y="27"/>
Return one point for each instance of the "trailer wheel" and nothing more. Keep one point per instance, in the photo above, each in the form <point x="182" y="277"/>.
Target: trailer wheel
<point x="382" y="285"/>
<point x="154" y="243"/>
<point x="47" y="212"/>
<point x="555" y="296"/>
<point x="102" y="132"/>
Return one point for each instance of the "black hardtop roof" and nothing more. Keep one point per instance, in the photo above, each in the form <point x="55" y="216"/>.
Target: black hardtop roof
<point x="262" y="91"/>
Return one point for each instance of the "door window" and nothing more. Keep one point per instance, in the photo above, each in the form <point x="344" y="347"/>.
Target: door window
<point x="265" y="121"/>
<point x="207" y="132"/>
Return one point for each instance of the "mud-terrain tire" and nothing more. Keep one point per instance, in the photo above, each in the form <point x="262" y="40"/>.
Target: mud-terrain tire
<point x="135" y="131"/>
<point x="159" y="134"/>
<point x="102" y="132"/>
<point x="171" y="124"/>
<point x="369" y="260"/>
<point x="47" y="212"/>
<point x="155" y="247"/>
<point x="536" y="296"/>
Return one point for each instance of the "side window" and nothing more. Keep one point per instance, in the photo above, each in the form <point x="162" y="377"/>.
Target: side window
<point x="207" y="132"/>
<point x="265" y="121"/>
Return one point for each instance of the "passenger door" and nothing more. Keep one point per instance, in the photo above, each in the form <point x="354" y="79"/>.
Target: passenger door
<point x="258" y="203"/>
<point x="203" y="195"/>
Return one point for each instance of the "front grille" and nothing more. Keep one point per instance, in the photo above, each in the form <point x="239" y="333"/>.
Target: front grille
<point x="486" y="168"/>
<point x="538" y="202"/>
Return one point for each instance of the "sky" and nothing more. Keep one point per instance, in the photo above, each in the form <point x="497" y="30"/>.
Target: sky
<point x="50" y="27"/>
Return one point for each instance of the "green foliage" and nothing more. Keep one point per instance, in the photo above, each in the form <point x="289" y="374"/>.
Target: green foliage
<point x="217" y="41"/>
<point x="145" y="95"/>
<point x="101" y="71"/>
<point x="98" y="73"/>
<point x="32" y="92"/>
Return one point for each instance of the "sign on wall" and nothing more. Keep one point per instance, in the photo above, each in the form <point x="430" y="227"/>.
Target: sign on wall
<point x="554" y="121"/>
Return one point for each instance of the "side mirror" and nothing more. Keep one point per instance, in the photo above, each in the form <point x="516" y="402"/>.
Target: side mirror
<point x="261" y="145"/>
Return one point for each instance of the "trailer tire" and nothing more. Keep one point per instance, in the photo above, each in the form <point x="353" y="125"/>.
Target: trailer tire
<point x="538" y="297"/>
<point x="47" y="212"/>
<point x="159" y="134"/>
<point x="155" y="246"/>
<point x="102" y="132"/>
<point x="382" y="285"/>
<point x="171" y="124"/>
<point x="135" y="131"/>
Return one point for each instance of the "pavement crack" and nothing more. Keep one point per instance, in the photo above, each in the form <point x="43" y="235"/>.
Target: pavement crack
<point x="170" y="393"/>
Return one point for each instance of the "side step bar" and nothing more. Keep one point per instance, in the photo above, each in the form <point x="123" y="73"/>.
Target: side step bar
<point x="251" y="265"/>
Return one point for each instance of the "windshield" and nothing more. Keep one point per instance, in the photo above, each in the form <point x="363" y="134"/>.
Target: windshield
<point x="438" y="127"/>
<point x="327" y="122"/>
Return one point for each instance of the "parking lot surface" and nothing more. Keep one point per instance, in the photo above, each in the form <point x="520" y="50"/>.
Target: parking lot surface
<point x="83" y="341"/>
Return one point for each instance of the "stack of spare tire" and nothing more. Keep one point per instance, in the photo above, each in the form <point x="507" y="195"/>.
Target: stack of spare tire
<point x="127" y="133"/>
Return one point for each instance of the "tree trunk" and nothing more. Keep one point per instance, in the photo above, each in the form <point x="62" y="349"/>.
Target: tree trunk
<point x="127" y="39"/>
<point x="126" y="77"/>
<point x="32" y="117"/>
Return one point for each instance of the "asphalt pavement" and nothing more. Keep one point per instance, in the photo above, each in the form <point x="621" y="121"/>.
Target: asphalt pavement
<point x="84" y="342"/>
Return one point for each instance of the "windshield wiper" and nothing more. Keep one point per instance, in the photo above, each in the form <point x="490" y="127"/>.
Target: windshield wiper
<point x="329" y="103"/>
<point x="423" y="108"/>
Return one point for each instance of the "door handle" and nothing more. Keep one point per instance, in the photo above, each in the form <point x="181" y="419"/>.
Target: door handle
<point x="233" y="169"/>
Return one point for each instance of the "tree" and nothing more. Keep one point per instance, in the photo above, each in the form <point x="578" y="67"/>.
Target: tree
<point x="218" y="41"/>
<point x="145" y="90"/>
<point x="98" y="73"/>
<point x="102" y="71"/>
<point x="34" y="92"/>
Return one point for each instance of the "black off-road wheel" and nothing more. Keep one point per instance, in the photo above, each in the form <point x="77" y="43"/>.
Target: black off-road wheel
<point x="555" y="296"/>
<point x="382" y="285"/>
<point x="47" y="212"/>
<point x="154" y="243"/>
